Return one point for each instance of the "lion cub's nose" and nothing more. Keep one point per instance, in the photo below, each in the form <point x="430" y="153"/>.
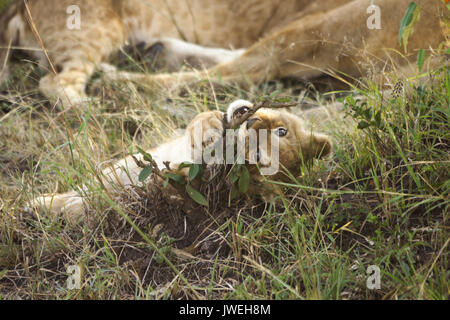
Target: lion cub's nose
<point x="263" y="159"/>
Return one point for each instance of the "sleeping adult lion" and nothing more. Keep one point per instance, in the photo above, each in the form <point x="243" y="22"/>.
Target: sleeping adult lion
<point x="295" y="146"/>
<point x="250" y="40"/>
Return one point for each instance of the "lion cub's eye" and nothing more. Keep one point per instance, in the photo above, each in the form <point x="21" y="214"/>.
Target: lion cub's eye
<point x="281" y="132"/>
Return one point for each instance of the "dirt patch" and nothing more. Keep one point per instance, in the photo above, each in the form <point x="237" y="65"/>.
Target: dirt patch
<point x="175" y="223"/>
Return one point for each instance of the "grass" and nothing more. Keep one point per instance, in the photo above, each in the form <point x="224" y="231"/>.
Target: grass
<point x="382" y="199"/>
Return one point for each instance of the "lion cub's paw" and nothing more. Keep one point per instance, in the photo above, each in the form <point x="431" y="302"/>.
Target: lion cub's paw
<point x="70" y="205"/>
<point x="206" y="128"/>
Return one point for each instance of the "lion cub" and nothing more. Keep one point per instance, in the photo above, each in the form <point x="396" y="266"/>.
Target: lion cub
<point x="284" y="130"/>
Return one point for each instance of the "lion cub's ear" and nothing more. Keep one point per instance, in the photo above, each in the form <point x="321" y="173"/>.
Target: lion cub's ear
<point x="316" y="146"/>
<point x="237" y="109"/>
<point x="323" y="146"/>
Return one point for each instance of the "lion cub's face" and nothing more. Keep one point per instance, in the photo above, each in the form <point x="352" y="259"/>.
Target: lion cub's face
<point x="295" y="146"/>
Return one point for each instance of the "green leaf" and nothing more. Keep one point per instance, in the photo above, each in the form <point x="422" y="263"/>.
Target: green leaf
<point x="234" y="175"/>
<point x="284" y="100"/>
<point x="363" y="124"/>
<point x="147" y="156"/>
<point x="166" y="182"/>
<point x="145" y="173"/>
<point x="184" y="165"/>
<point x="421" y="59"/>
<point x="412" y="15"/>
<point x="194" y="170"/>
<point x="175" y="177"/>
<point x="196" y="196"/>
<point x="378" y="118"/>
<point x="244" y="180"/>
<point x="234" y="192"/>
<point x="406" y="20"/>
<point x="273" y="94"/>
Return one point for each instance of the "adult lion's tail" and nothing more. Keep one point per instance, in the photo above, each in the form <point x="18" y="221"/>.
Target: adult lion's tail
<point x="9" y="34"/>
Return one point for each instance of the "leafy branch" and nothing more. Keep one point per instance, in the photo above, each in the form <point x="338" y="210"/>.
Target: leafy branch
<point x="175" y="180"/>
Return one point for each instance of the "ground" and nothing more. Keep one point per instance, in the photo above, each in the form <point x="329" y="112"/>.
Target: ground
<point x="382" y="199"/>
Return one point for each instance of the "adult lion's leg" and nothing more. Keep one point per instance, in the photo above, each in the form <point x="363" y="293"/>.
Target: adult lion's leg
<point x="338" y="39"/>
<point x="68" y="85"/>
<point x="70" y="53"/>
<point x="175" y="53"/>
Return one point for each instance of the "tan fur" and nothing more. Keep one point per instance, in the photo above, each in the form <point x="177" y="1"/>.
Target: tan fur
<point x="284" y="38"/>
<point x="295" y="148"/>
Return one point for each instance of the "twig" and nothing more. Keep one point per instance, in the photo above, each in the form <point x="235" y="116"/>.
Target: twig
<point x="159" y="173"/>
<point x="155" y="170"/>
